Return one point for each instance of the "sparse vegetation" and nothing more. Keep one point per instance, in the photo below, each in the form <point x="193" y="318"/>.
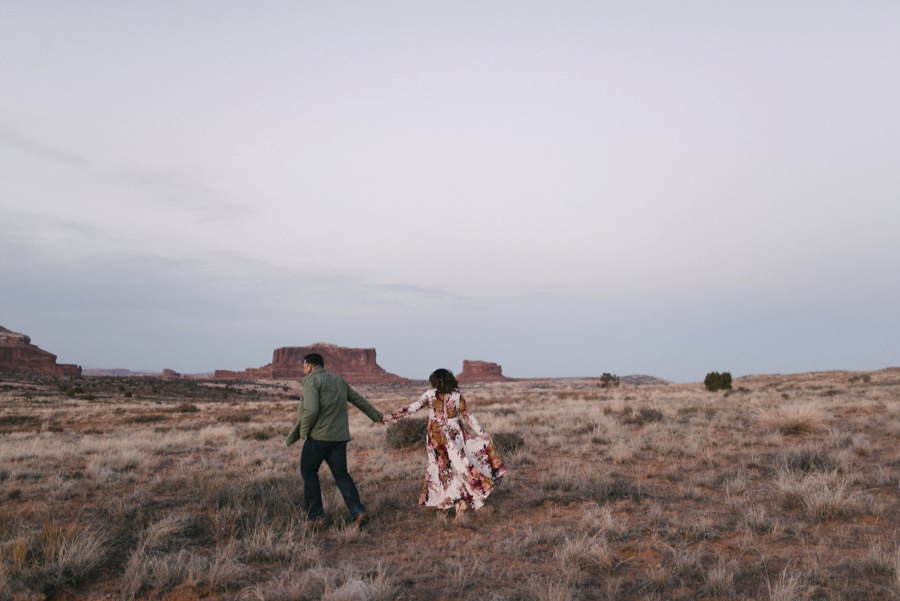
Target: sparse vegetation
<point x="783" y="490"/>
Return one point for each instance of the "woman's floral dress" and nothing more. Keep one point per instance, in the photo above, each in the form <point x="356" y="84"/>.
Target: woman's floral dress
<point x="461" y="467"/>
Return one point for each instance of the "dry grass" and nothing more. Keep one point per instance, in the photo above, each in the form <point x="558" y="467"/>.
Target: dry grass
<point x="53" y="557"/>
<point x="793" y="419"/>
<point x="785" y="488"/>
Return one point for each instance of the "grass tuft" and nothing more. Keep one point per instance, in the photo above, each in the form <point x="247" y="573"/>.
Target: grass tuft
<point x="59" y="556"/>
<point x="793" y="419"/>
<point x="407" y="432"/>
<point x="810" y="459"/>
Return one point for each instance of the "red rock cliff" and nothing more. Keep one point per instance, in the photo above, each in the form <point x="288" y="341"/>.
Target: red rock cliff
<point x="18" y="355"/>
<point x="356" y="365"/>
<point x="481" y="371"/>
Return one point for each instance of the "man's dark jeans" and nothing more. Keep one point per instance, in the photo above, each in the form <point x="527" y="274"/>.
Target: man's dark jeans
<point x="334" y="453"/>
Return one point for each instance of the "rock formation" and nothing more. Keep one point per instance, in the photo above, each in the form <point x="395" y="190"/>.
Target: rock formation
<point x="18" y="355"/>
<point x="251" y="373"/>
<point x="356" y="365"/>
<point x="481" y="371"/>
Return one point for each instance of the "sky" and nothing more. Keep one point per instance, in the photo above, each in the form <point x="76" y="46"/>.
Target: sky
<point x="563" y="188"/>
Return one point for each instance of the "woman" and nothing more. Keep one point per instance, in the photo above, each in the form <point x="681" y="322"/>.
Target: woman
<point x="462" y="469"/>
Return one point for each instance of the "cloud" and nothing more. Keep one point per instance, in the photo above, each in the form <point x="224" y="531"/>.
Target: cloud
<point x="162" y="187"/>
<point x="207" y="285"/>
<point x="175" y="189"/>
<point x="12" y="138"/>
<point x="401" y="292"/>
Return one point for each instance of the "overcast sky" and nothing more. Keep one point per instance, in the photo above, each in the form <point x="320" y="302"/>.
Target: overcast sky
<point x="563" y="188"/>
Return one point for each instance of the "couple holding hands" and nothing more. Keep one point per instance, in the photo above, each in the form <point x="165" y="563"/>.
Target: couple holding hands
<point x="462" y="469"/>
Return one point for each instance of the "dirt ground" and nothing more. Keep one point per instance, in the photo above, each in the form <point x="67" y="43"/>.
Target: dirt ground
<point x="784" y="487"/>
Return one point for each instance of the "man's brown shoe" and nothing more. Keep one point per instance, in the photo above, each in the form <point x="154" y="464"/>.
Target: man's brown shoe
<point x="361" y="520"/>
<point x="318" y="525"/>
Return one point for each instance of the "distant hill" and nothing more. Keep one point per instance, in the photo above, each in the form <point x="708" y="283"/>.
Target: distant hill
<point x="642" y="380"/>
<point x="119" y="373"/>
<point x="127" y="373"/>
<point x="633" y="380"/>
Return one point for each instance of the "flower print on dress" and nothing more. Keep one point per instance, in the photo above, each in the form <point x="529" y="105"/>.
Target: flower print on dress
<point x="461" y="467"/>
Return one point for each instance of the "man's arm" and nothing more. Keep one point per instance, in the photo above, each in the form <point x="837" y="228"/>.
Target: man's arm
<point x="360" y="402"/>
<point x="294" y="434"/>
<point x="310" y="412"/>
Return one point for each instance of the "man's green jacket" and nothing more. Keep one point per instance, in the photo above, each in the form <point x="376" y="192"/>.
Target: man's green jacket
<point x="322" y="414"/>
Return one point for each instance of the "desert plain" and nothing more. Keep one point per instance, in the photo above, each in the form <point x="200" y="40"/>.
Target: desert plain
<point x="785" y="487"/>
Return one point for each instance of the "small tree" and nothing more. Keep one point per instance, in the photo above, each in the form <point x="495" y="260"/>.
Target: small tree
<point x="608" y="379"/>
<point x="717" y="381"/>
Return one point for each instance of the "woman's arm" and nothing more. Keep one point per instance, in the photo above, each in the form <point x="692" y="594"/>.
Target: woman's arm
<point x="407" y="410"/>
<point x="464" y="411"/>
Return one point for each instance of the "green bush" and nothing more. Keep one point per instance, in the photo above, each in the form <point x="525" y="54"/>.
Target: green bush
<point x="717" y="381"/>
<point x="608" y="379"/>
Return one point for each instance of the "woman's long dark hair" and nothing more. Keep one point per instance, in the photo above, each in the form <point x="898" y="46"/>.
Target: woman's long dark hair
<point x="443" y="381"/>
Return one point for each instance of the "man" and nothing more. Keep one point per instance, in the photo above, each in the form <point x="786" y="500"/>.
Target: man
<point x="322" y="421"/>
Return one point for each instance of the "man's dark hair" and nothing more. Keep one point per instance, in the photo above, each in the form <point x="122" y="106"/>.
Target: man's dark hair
<point x="314" y="359"/>
<point x="443" y="381"/>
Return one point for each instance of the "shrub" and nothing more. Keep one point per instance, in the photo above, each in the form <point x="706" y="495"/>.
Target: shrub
<point x="262" y="434"/>
<point x="809" y="459"/>
<point x="409" y="431"/>
<point x="717" y="381"/>
<point x="235" y="417"/>
<point x="57" y="557"/>
<point x="508" y="442"/>
<point x="615" y="489"/>
<point x="823" y="495"/>
<point x="643" y="416"/>
<point x="23" y="421"/>
<point x="608" y="379"/>
<point x="145" y="418"/>
<point x="585" y="552"/>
